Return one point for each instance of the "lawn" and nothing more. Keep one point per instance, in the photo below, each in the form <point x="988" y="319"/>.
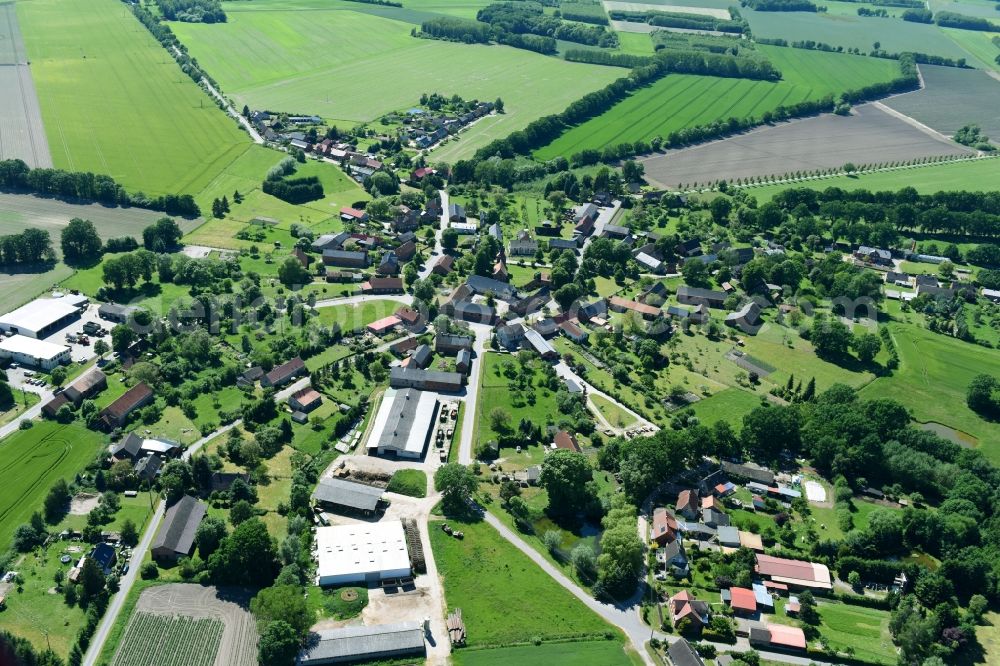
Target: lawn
<point x="866" y="630"/>
<point x="325" y="58"/>
<point x="32" y="460"/>
<point x="966" y="174"/>
<point x="579" y="654"/>
<point x="678" y="101"/>
<point x="114" y="102"/>
<point x="613" y="412"/>
<point x="934" y="373"/>
<point x="989" y="637"/>
<point x="537" y="405"/>
<point x="412" y="482"/>
<point x="505" y="598"/>
<point x="729" y="405"/>
<point x="353" y="317"/>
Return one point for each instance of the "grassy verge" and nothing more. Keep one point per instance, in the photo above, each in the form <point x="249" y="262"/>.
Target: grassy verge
<point x="412" y="482"/>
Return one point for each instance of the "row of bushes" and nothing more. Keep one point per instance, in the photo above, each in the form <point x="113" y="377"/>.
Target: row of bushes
<point x="680" y="20"/>
<point x="780" y="5"/>
<point x="918" y="57"/>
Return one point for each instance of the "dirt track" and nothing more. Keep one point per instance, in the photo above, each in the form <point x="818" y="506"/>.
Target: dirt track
<point x="22" y="134"/>
<point x="231" y="606"/>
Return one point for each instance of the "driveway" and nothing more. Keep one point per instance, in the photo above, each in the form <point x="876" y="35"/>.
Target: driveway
<point x="482" y="333"/>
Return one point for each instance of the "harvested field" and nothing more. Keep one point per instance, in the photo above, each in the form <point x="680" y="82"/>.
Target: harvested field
<point x="16" y="289"/>
<point x="22" y="134"/>
<point x="18" y="211"/>
<point x="868" y="135"/>
<point x="953" y="98"/>
<point x="182" y="614"/>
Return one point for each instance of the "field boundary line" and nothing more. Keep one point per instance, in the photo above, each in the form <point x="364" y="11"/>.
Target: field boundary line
<point x="911" y="121"/>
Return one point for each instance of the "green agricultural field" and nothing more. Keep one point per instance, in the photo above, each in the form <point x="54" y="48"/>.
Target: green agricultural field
<point x="974" y="174"/>
<point x="979" y="44"/>
<point x="32" y="460"/>
<point x="16" y="289"/>
<point x="893" y="35"/>
<point x="579" y="654"/>
<point x="679" y="101"/>
<point x="114" y="102"/>
<point x="190" y="641"/>
<point x="934" y="373"/>
<point x="505" y="598"/>
<point x="331" y="58"/>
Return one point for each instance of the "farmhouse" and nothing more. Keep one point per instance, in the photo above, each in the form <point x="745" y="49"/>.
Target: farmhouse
<point x="403" y="424"/>
<point x="748" y="471"/>
<point x="618" y="304"/>
<point x="382" y="285"/>
<point x="305" y="400"/>
<point x="345" y="259"/>
<point x="449" y="343"/>
<point x="116" y="414"/>
<point x="443" y="265"/>
<point x="684" y="605"/>
<point x="284" y="373"/>
<point x="349" y="214"/>
<point x="176" y="536"/>
<point x="484" y="285"/>
<point x="540" y="345"/>
<point x="794" y="573"/>
<point x="696" y="296"/>
<point x="339" y="494"/>
<point x="363" y="643"/>
<point x="742" y="601"/>
<point x="33" y="352"/>
<point x="510" y="336"/>
<point x="361" y="553"/>
<point x="873" y="255"/>
<point x="463" y="361"/>
<point x="746" y="318"/>
<point x="39" y="318"/>
<point x="134" y="446"/>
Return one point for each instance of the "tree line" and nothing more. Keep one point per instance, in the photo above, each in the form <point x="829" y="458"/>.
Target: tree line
<point x="192" y="11"/>
<point x="956" y="20"/>
<point x="16" y="175"/>
<point x="918" y="57"/>
<point x="664" y="19"/>
<point x="528" y="17"/>
<point x="780" y="5"/>
<point x="975" y="214"/>
<point x="28" y="248"/>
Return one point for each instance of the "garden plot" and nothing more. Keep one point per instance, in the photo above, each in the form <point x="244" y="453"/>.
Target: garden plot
<point x="868" y="135"/>
<point x="204" y="626"/>
<point x="953" y="98"/>
<point x="749" y="363"/>
<point x="22" y="134"/>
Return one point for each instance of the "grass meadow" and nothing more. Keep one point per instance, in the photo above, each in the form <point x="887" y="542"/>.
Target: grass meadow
<point x="893" y="35"/>
<point x="592" y="653"/>
<point x="679" y="101"/>
<point x="329" y="58"/>
<point x="114" y="102"/>
<point x="506" y="599"/>
<point x="975" y="174"/>
<point x="933" y="375"/>
<point x="32" y="460"/>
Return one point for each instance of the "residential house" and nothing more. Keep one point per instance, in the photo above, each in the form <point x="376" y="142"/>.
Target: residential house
<point x="522" y="247"/>
<point x="747" y="318"/>
<point x="450" y="343"/>
<point x="483" y="285"/>
<point x="410" y="318"/>
<point x="688" y="504"/>
<point x="510" y="336"/>
<point x="444" y="264"/>
<point x="672" y="558"/>
<point x="714" y="518"/>
<point x="305" y="400"/>
<point x="463" y="361"/>
<point x="456" y="213"/>
<point x="421" y="356"/>
<point x="873" y="255"/>
<point x="406" y="250"/>
<point x="573" y="332"/>
<point x="664" y="527"/>
<point x="566" y="440"/>
<point x="547" y="327"/>
<point x="743" y="601"/>
<point x="148" y="468"/>
<point x="389" y="265"/>
<point x="689" y="248"/>
<point x="618" y="304"/>
<point x="684" y="605"/>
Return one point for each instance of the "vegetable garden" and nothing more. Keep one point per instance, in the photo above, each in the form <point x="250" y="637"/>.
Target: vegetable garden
<point x="169" y="640"/>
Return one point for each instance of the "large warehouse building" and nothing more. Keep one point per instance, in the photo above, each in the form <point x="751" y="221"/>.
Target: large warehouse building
<point x="351" y="644"/>
<point x="362" y="553"/>
<point x="403" y="424"/>
<point x="34" y="353"/>
<point x="40" y="318"/>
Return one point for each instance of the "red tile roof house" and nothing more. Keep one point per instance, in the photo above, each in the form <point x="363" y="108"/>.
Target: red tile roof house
<point x="688" y="504"/>
<point x="353" y="214"/>
<point x="305" y="400"/>
<point x="664" y="528"/>
<point x="743" y="601"/>
<point x="116" y="414"/>
<point x="683" y="605"/>
<point x="283" y="373"/>
<point x="564" y="440"/>
<point x="619" y="304"/>
<point x="383" y="326"/>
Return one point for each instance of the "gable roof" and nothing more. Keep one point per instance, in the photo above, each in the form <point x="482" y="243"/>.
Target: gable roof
<point x="124" y="405"/>
<point x="284" y="371"/>
<point x="348" y="493"/>
<point x="795" y="572"/>
<point x="682" y="654"/>
<point x="179" y="525"/>
<point x="743" y="599"/>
